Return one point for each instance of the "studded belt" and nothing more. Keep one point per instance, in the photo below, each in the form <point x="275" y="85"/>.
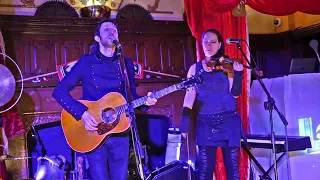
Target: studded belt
<point x="216" y="116"/>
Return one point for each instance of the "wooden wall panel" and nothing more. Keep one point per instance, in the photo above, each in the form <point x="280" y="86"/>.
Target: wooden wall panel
<point x="38" y="45"/>
<point x="158" y="53"/>
<point x="39" y="54"/>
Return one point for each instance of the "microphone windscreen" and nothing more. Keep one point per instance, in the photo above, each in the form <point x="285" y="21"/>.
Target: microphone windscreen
<point x="228" y="41"/>
<point x="115" y="41"/>
<point x="314" y="45"/>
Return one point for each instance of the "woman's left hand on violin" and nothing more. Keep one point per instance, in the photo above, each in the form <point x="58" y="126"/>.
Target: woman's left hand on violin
<point x="237" y="66"/>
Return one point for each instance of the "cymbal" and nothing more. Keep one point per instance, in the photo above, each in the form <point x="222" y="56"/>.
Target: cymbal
<point x="7" y="84"/>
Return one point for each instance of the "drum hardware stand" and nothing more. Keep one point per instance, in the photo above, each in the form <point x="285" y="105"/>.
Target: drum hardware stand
<point x="189" y="165"/>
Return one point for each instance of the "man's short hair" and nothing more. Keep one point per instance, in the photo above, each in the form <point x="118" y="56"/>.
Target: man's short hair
<point x="97" y="32"/>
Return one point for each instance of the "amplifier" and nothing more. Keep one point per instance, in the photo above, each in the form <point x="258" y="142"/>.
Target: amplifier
<point x="173" y="171"/>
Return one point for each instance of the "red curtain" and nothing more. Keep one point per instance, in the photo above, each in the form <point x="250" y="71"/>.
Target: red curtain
<point x="12" y="122"/>
<point x="200" y="18"/>
<point x="271" y="7"/>
<point x="220" y="5"/>
<point x="284" y="7"/>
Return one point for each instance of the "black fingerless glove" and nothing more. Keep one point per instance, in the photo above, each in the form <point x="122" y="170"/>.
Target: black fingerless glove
<point x="237" y="83"/>
<point x="184" y="124"/>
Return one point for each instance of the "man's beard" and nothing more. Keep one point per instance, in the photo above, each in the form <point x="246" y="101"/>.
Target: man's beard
<point x="107" y="44"/>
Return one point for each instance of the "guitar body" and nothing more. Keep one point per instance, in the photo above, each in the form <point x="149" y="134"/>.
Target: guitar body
<point x="82" y="140"/>
<point x="109" y="112"/>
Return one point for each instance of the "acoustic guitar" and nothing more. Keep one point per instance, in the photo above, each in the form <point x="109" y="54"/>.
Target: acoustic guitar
<point x="110" y="113"/>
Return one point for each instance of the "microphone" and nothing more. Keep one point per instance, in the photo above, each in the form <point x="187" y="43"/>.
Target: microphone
<point x="314" y="45"/>
<point x="116" y="43"/>
<point x="229" y="40"/>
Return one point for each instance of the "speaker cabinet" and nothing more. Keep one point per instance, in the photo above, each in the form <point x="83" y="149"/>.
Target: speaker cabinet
<point x="173" y="171"/>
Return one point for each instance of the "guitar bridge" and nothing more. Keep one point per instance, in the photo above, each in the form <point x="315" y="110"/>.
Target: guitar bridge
<point x="106" y="127"/>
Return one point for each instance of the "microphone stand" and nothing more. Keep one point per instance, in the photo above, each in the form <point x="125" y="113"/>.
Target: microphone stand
<point x="39" y="146"/>
<point x="269" y="105"/>
<point x="130" y="113"/>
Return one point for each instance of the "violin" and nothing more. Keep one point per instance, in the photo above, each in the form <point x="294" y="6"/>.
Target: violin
<point x="227" y="64"/>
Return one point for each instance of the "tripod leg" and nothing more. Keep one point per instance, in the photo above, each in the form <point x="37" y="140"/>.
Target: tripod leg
<point x="257" y="164"/>
<point x="278" y="160"/>
<point x="137" y="150"/>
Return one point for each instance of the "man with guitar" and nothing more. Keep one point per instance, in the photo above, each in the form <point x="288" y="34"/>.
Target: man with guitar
<point x="99" y="73"/>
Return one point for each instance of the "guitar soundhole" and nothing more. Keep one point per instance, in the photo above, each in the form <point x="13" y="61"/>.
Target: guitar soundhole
<point x="109" y="115"/>
<point x="110" y="118"/>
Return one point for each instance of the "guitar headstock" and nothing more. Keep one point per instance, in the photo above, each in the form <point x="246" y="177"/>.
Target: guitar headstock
<point x="189" y="82"/>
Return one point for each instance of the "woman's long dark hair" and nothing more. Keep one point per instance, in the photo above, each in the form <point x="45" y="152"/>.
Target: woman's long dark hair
<point x="220" y="39"/>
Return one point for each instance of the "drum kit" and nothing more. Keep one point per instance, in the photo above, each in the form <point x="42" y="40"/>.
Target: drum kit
<point x="49" y="168"/>
<point x="8" y="85"/>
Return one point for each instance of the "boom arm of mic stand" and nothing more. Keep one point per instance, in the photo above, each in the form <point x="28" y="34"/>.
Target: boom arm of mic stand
<point x="270" y="99"/>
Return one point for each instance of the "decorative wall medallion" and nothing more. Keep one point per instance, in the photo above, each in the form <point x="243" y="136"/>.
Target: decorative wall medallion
<point x="154" y="7"/>
<point x="134" y="11"/>
<point x="72" y="2"/>
<point x="56" y="8"/>
<point x="28" y="3"/>
<point x="112" y="4"/>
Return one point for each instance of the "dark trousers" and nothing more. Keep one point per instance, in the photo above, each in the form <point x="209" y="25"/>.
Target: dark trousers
<point x="110" y="160"/>
<point x="207" y="162"/>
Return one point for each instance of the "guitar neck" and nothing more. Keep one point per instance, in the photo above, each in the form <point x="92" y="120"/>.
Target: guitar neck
<point x="143" y="100"/>
<point x="157" y="95"/>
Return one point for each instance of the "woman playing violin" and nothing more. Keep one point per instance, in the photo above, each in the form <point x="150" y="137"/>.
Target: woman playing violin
<point x="214" y="101"/>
